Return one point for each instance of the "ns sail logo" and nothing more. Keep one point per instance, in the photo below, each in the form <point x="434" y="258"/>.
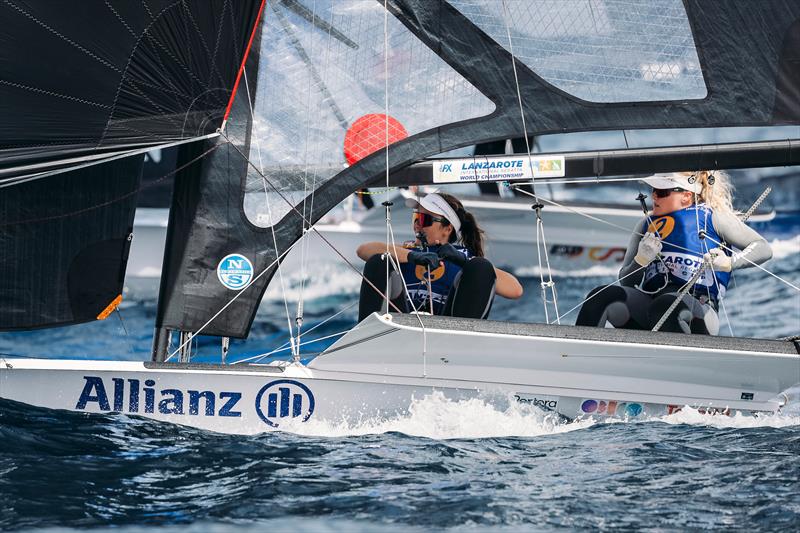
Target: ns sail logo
<point x="284" y="400"/>
<point x="235" y="271"/>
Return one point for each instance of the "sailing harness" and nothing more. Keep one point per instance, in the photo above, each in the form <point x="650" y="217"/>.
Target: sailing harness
<point x="428" y="289"/>
<point x="683" y="236"/>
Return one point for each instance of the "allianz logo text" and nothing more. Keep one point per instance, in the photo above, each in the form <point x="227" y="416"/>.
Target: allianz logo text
<point x="284" y="399"/>
<point x="129" y="396"/>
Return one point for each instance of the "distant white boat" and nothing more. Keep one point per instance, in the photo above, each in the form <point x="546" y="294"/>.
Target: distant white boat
<point x="576" y="240"/>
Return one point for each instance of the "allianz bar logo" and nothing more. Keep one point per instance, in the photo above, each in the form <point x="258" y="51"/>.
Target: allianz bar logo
<point x="284" y="399"/>
<point x="275" y="401"/>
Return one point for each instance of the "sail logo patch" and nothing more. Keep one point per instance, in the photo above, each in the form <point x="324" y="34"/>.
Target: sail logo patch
<point x="284" y="399"/>
<point x="235" y="271"/>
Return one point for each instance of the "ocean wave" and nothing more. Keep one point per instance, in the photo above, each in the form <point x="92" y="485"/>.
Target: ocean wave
<point x="782" y="248"/>
<point x="438" y="417"/>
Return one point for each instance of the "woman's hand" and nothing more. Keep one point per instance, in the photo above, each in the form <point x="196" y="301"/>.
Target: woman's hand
<point x="426" y="259"/>
<point x="719" y="260"/>
<point x="448" y="252"/>
<point x="649" y="247"/>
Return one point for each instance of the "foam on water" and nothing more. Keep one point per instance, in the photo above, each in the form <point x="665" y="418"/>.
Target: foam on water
<point x="782" y="248"/>
<point x="594" y="271"/>
<point x="437" y="417"/>
<point x="693" y="417"/>
<point x="325" y="279"/>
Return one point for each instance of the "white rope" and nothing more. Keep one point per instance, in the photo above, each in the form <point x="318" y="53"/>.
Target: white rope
<point x="233" y="299"/>
<point x="616" y="281"/>
<point x="727" y="248"/>
<point x="269" y="206"/>
<point x="276" y="350"/>
<point x="304" y="248"/>
<point x="396" y="265"/>
<point x="284" y="345"/>
<point x="539" y="223"/>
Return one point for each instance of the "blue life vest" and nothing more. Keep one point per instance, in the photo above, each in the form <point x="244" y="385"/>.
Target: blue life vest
<point x="682" y="252"/>
<point x="442" y="279"/>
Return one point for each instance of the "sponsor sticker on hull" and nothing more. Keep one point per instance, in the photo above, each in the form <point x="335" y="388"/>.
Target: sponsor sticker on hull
<point x="284" y="399"/>
<point x="548" y="403"/>
<point x="611" y="408"/>
<point x="277" y="401"/>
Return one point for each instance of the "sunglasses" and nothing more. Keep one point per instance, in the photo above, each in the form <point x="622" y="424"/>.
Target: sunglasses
<point x="663" y="193"/>
<point x="425" y="219"/>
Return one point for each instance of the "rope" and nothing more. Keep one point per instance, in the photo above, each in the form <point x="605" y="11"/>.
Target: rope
<point x="537" y="206"/>
<point x="311" y="227"/>
<point x="284" y="345"/>
<point x="616" y="281"/>
<point x="727" y="248"/>
<point x="283" y="349"/>
<point x="269" y="210"/>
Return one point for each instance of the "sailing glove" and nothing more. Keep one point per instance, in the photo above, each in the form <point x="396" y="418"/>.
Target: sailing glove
<point x="719" y="260"/>
<point x="448" y="252"/>
<point x="426" y="259"/>
<point x="649" y="247"/>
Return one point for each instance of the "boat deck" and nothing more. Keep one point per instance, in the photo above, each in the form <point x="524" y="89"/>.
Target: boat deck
<point x="602" y="334"/>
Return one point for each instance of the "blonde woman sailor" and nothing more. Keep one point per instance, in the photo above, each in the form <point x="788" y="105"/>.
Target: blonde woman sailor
<point x="692" y="221"/>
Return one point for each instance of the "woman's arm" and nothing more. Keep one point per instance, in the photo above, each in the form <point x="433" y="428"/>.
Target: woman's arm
<point x="368" y="249"/>
<point x="754" y="248"/>
<point x="628" y="264"/>
<point x="507" y="285"/>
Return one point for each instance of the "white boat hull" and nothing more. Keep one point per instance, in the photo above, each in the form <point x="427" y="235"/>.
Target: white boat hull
<point x="379" y="369"/>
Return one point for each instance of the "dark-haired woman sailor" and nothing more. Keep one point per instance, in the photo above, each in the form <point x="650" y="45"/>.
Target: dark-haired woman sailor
<point x="444" y="271"/>
<point x="692" y="221"/>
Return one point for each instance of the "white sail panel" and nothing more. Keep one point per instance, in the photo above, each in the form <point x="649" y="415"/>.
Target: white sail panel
<point x="323" y="68"/>
<point x="599" y="50"/>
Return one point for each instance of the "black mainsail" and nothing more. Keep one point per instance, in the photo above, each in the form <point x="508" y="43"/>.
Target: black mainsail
<point x="85" y="88"/>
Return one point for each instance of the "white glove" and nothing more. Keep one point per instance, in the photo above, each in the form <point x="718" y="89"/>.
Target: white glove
<point x="649" y="247"/>
<point x="719" y="260"/>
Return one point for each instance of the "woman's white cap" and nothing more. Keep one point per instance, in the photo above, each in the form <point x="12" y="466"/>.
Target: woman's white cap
<point x="438" y="205"/>
<point x="689" y="182"/>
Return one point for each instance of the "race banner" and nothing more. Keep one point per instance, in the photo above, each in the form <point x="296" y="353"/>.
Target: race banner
<point x="511" y="168"/>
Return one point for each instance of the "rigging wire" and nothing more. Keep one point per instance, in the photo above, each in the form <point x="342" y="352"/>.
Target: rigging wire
<point x="269" y="206"/>
<point x="283" y="348"/>
<point x="284" y="345"/>
<point x="304" y="247"/>
<point x="596" y="219"/>
<point x="294" y="209"/>
<point x="580" y="304"/>
<point x="90" y="160"/>
<point x="118" y="198"/>
<point x="537" y="206"/>
<point x="393" y="261"/>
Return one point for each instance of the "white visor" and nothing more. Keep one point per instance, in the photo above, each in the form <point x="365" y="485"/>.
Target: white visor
<point x="689" y="183"/>
<point x="438" y="205"/>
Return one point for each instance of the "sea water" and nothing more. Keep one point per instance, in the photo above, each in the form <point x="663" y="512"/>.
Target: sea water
<point x="445" y="465"/>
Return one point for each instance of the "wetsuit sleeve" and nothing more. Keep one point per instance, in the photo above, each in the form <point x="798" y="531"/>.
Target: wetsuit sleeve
<point x="628" y="264"/>
<point x="753" y="247"/>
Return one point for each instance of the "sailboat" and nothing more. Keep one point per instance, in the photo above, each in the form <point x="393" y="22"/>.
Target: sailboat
<point x="261" y="97"/>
